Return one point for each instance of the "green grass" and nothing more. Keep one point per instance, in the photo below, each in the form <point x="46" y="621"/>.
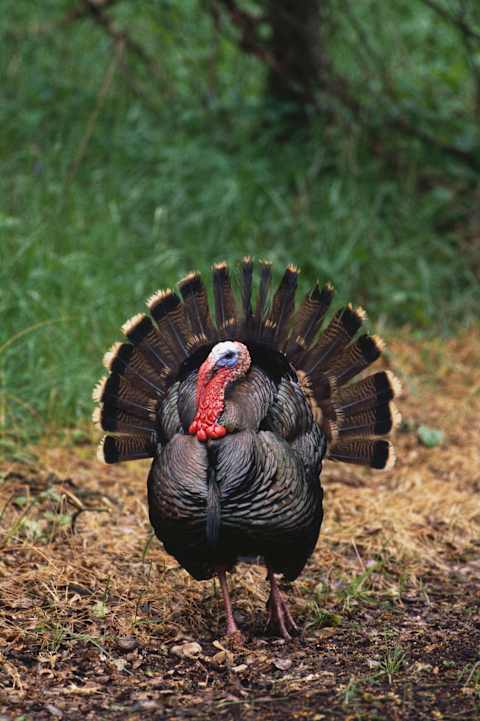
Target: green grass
<point x="393" y="662"/>
<point x="171" y="182"/>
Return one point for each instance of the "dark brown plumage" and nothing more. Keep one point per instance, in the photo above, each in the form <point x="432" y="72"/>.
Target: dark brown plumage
<point x="238" y="417"/>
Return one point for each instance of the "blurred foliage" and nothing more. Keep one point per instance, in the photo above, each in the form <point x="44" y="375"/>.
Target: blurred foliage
<point x="122" y="170"/>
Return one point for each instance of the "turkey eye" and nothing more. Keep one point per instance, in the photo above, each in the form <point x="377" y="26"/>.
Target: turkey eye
<point x="229" y="355"/>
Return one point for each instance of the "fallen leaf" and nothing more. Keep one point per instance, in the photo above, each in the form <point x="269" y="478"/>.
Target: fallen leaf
<point x="283" y="664"/>
<point x="186" y="650"/>
<point x="120" y="663"/>
<point x="127" y="643"/>
<point x="53" y="710"/>
<point x="240" y="668"/>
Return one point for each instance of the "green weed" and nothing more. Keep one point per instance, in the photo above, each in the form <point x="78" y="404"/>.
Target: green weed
<point x="358" y="589"/>
<point x="54" y="636"/>
<point x="393" y="662"/>
<point x="351" y="692"/>
<point x="321" y="618"/>
<point x="470" y="678"/>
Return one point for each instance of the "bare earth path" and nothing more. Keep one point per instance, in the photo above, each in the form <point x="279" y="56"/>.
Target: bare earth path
<point x="97" y="623"/>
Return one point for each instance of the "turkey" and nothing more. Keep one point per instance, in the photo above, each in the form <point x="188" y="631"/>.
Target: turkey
<point x="238" y="412"/>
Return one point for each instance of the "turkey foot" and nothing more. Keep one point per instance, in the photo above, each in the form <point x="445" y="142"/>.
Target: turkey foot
<point x="279" y="616"/>
<point x="232" y="628"/>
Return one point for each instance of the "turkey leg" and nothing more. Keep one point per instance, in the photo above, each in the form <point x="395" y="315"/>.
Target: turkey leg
<point x="231" y="625"/>
<point x="278" y="614"/>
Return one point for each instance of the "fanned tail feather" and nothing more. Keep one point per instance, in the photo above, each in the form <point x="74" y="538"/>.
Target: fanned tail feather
<point x="283" y="304"/>
<point x="247" y="280"/>
<point x="377" y="421"/>
<point x="367" y="393"/>
<point x="356" y="358"/>
<point x="116" y="386"/>
<point x="115" y="389"/>
<point x="225" y="305"/>
<point x="379" y="454"/>
<point x="141" y="332"/>
<point x="195" y="300"/>
<point x="262" y="297"/>
<point x="168" y="313"/>
<point x="351" y="361"/>
<point x="116" y="449"/>
<point x="339" y="332"/>
<point x="128" y="362"/>
<point x="308" y="319"/>
<point x="112" y="417"/>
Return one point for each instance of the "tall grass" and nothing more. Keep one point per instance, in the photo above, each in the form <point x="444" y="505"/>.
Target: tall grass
<point x="158" y="193"/>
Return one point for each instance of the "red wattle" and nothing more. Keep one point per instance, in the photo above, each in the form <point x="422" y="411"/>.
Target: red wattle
<point x="202" y="434"/>
<point x="216" y="431"/>
<point x="219" y="431"/>
<point x="210" y="403"/>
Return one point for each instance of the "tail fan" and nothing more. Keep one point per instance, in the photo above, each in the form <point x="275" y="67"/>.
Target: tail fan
<point x="351" y="411"/>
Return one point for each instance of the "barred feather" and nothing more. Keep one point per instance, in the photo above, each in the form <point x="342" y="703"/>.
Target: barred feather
<point x="247" y="277"/>
<point x="168" y="313"/>
<point x="354" y="359"/>
<point x="197" y="309"/>
<point x="117" y="386"/>
<point x="308" y="319"/>
<point x="127" y="361"/>
<point x="262" y="296"/>
<point x="283" y="304"/>
<point x="225" y="306"/>
<point x="109" y="417"/>
<point x="374" y="390"/>
<point x="339" y="332"/>
<point x="373" y="422"/>
<point x="379" y="454"/>
<point x="141" y="332"/>
<point x="117" y="449"/>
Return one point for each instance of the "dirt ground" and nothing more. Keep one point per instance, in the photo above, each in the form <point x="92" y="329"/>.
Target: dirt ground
<point x="97" y="622"/>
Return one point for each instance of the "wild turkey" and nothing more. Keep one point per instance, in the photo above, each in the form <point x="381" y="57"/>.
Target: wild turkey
<point x="238" y="415"/>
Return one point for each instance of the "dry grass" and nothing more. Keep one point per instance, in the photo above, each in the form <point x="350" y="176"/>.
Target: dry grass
<point x="89" y="605"/>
